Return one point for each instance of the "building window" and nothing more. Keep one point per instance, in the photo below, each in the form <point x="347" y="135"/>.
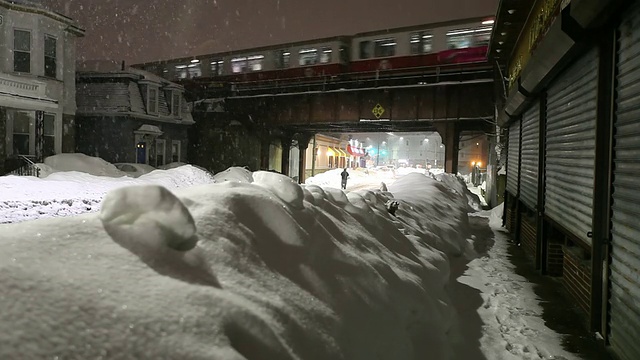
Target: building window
<point x="175" y="151"/>
<point x="49" y="135"/>
<point x="420" y="43"/>
<point x="152" y="100"/>
<point x="50" y="63"/>
<point x="176" y="98"/>
<point x="23" y="123"/>
<point x="385" y="47"/>
<point x="325" y="54"/>
<point x="160" y="152"/>
<point x="216" y="67"/>
<point x="282" y="59"/>
<point x="308" y="57"/>
<point x="22" y="51"/>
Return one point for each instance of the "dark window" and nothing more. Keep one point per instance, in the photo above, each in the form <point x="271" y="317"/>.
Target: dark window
<point x="152" y="101"/>
<point x="308" y="57"/>
<point x="420" y="43"/>
<point x="49" y="147"/>
<point x="365" y="50"/>
<point x="325" y="54"/>
<point x="175" y="151"/>
<point x="21" y="51"/>
<point x="282" y="59"/>
<point x="50" y="62"/>
<point x="216" y="67"/>
<point x="22" y="121"/>
<point x="385" y="47"/>
<point x="344" y="54"/>
<point x="175" y="104"/>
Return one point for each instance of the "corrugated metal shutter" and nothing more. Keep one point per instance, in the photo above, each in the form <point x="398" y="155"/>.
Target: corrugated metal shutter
<point x="570" y="146"/>
<point x="513" y="158"/>
<point x="625" y="253"/>
<point x="529" y="158"/>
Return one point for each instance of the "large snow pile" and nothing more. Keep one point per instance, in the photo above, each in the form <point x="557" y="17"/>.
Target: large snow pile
<point x="457" y="184"/>
<point x="72" y="193"/>
<point x="256" y="269"/>
<point x="358" y="178"/>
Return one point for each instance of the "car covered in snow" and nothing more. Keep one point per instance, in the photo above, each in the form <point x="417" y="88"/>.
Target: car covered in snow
<point x="134" y="170"/>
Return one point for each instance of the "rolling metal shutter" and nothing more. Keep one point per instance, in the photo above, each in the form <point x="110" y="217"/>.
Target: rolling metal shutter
<point x="529" y="159"/>
<point x="570" y="146"/>
<point x="513" y="158"/>
<point x="625" y="235"/>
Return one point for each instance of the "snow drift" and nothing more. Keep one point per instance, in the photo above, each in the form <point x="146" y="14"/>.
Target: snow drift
<point x="256" y="267"/>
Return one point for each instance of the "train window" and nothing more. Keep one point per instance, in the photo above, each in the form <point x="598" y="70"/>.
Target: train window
<point x="344" y="54"/>
<point x="385" y="47"/>
<point x="464" y="38"/>
<point x="254" y="63"/>
<point x="325" y="54"/>
<point x="238" y="65"/>
<point x="282" y="58"/>
<point x="216" y="67"/>
<point x="366" y="49"/>
<point x="308" y="57"/>
<point x="192" y="70"/>
<point x="420" y="43"/>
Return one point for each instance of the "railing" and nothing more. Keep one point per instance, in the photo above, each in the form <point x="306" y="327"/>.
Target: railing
<point x="27" y="168"/>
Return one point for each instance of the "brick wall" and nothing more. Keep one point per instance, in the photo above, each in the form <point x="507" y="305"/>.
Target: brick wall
<point x="555" y="257"/>
<point x="577" y="277"/>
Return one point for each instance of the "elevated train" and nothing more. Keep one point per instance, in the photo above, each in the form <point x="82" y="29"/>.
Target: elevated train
<point x="365" y="54"/>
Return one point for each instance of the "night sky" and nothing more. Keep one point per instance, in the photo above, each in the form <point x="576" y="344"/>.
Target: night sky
<point x="147" y="30"/>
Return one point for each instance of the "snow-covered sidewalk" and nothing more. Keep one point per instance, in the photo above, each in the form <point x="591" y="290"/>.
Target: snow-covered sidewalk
<point x="499" y="311"/>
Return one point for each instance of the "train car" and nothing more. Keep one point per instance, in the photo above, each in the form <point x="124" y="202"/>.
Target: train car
<point x="388" y="52"/>
<point x="421" y="46"/>
<point x="303" y="60"/>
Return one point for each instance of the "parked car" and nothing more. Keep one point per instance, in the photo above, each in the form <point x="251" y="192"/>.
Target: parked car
<point x="134" y="170"/>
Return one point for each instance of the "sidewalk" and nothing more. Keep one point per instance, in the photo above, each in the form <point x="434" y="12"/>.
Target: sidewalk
<point x="508" y="311"/>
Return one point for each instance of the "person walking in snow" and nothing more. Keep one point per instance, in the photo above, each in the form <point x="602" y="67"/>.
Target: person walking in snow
<point x="344" y="174"/>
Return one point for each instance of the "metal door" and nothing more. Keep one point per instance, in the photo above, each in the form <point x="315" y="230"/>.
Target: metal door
<point x="570" y="146"/>
<point x="529" y="157"/>
<point x="513" y="158"/>
<point x="624" y="301"/>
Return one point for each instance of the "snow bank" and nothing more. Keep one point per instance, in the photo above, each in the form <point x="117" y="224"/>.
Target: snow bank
<point x="457" y="184"/>
<point x="280" y="271"/>
<point x="71" y="193"/>
<point x="358" y="178"/>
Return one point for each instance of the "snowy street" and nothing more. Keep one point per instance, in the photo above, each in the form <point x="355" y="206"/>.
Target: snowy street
<point x="248" y="265"/>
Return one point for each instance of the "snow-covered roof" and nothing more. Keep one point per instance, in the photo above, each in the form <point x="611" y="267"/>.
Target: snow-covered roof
<point x="149" y="129"/>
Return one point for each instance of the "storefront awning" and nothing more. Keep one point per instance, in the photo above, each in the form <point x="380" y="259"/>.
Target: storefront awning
<point x="342" y="152"/>
<point x="354" y="151"/>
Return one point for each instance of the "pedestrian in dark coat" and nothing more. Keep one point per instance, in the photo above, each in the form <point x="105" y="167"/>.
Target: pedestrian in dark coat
<point x="345" y="175"/>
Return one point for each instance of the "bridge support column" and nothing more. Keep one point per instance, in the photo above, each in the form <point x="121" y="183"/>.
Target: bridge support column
<point x="265" y="144"/>
<point x="303" y="145"/>
<point x="286" y="150"/>
<point x="450" y="134"/>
